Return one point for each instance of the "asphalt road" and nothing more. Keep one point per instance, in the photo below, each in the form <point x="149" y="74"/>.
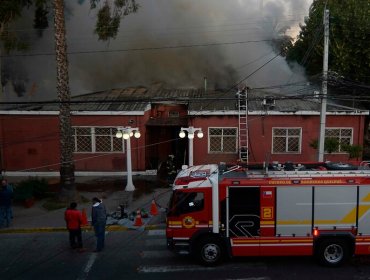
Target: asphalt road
<point x="143" y="255"/>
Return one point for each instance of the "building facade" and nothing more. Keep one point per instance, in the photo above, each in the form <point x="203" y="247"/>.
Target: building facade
<point x="282" y="130"/>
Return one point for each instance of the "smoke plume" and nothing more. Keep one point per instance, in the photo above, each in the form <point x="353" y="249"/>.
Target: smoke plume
<point x="175" y="42"/>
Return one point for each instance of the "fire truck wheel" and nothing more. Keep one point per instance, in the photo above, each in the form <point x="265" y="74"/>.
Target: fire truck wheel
<point x="209" y="251"/>
<point x="332" y="252"/>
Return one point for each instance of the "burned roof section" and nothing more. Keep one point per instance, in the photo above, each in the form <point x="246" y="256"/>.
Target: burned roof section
<point x="139" y="99"/>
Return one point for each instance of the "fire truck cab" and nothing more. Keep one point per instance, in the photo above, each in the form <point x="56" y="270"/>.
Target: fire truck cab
<point x="319" y="210"/>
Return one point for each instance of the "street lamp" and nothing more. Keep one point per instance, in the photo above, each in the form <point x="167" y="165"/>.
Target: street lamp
<point x="191" y="133"/>
<point x="126" y="133"/>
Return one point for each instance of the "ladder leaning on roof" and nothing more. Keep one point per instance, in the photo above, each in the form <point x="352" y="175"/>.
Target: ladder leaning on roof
<point x="242" y="96"/>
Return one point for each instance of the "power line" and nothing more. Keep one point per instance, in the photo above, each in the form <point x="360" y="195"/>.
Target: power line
<point x="143" y="49"/>
<point x="141" y="100"/>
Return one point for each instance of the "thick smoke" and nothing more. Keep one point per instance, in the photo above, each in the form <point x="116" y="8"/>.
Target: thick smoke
<point x="213" y="35"/>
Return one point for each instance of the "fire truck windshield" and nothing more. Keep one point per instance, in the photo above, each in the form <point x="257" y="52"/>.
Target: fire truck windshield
<point x="185" y="202"/>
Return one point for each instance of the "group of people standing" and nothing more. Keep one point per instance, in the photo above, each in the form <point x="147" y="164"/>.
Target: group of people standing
<point x="74" y="221"/>
<point x="72" y="216"/>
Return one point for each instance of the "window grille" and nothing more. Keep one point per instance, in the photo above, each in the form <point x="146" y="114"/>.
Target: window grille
<point x="222" y="140"/>
<point x="343" y="135"/>
<point x="97" y="140"/>
<point x="286" y="140"/>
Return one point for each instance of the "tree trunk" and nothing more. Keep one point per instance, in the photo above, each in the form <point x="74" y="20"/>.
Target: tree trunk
<point x="1" y="81"/>
<point x="2" y="27"/>
<point x="67" y="178"/>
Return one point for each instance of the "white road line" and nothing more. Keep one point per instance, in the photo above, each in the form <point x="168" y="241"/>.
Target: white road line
<point x="251" y="278"/>
<point x="157" y="232"/>
<point x="177" y="268"/>
<point x="156" y="254"/>
<point x="85" y="272"/>
<point x="172" y="268"/>
<point x="90" y="263"/>
<point x="156" y="242"/>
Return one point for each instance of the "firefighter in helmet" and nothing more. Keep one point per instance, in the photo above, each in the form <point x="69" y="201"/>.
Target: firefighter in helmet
<point x="171" y="169"/>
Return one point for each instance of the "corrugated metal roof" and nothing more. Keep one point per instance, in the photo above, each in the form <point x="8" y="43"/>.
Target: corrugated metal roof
<point x="139" y="98"/>
<point x="226" y="101"/>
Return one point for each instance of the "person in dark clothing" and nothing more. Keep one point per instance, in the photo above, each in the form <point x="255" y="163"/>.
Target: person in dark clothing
<point x="98" y="221"/>
<point x="73" y="218"/>
<point x="6" y="195"/>
<point x="171" y="169"/>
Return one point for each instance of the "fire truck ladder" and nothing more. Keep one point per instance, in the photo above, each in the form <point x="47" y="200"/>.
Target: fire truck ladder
<point x="299" y="171"/>
<point x="243" y="124"/>
<point x="308" y="174"/>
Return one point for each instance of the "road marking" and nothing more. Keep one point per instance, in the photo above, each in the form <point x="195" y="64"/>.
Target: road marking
<point x="156" y="254"/>
<point x="88" y="266"/>
<point x="90" y="263"/>
<point x="177" y="268"/>
<point x="172" y="268"/>
<point x="156" y="242"/>
<point x="251" y="278"/>
<point x="157" y="232"/>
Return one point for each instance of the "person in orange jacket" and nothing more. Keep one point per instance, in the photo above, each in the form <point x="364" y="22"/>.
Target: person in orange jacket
<point x="73" y="218"/>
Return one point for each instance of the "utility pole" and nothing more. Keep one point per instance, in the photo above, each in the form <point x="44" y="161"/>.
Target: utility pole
<point x="321" y="148"/>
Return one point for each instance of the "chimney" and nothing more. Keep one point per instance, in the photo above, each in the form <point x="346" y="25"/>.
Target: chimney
<point x="205" y="85"/>
<point x="268" y="101"/>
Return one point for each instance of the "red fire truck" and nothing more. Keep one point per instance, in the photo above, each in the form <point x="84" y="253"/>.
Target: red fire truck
<point x="319" y="210"/>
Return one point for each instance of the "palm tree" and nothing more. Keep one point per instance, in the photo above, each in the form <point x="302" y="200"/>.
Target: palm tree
<point x="107" y="23"/>
<point x="106" y="28"/>
<point x="67" y="176"/>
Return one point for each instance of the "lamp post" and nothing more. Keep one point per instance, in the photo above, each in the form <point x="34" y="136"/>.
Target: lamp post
<point x="126" y="133"/>
<point x="191" y="132"/>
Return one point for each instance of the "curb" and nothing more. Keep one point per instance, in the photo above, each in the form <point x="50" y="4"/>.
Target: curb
<point x="84" y="229"/>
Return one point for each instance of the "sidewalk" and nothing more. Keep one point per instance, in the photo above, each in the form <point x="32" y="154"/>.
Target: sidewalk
<point x="39" y="219"/>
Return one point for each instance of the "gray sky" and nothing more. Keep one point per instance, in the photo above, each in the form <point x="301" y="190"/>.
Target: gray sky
<point x="147" y="51"/>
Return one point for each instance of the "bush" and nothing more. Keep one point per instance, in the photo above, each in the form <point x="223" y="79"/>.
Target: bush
<point x="32" y="187"/>
<point x="22" y="192"/>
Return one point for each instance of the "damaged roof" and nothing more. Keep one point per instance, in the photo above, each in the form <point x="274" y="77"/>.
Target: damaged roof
<point x="139" y="99"/>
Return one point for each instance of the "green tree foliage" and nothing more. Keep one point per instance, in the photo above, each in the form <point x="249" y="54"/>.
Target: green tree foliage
<point x="354" y="151"/>
<point x="331" y="145"/>
<point x="41" y="16"/>
<point x="11" y="10"/>
<point x="349" y="51"/>
<point x="109" y="17"/>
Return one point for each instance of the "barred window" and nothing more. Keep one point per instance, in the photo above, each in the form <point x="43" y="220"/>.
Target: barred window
<point x="97" y="140"/>
<point x="342" y="135"/>
<point x="286" y="140"/>
<point x="83" y="139"/>
<point x="222" y="140"/>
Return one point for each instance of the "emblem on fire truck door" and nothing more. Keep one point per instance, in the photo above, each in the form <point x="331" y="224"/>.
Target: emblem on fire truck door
<point x="188" y="222"/>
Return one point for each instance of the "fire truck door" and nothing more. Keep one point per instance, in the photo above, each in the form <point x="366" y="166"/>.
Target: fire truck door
<point x="243" y="212"/>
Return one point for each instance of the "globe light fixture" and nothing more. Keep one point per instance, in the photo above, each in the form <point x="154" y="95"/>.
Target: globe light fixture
<point x="182" y="134"/>
<point x="191" y="134"/>
<point x="126" y="133"/>
<point x="119" y="134"/>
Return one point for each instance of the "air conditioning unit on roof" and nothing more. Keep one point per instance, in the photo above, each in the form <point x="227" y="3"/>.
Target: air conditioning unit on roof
<point x="268" y="101"/>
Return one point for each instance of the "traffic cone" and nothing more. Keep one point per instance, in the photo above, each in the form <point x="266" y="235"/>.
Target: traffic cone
<point x="138" y="221"/>
<point x="84" y="218"/>
<point x="153" y="209"/>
